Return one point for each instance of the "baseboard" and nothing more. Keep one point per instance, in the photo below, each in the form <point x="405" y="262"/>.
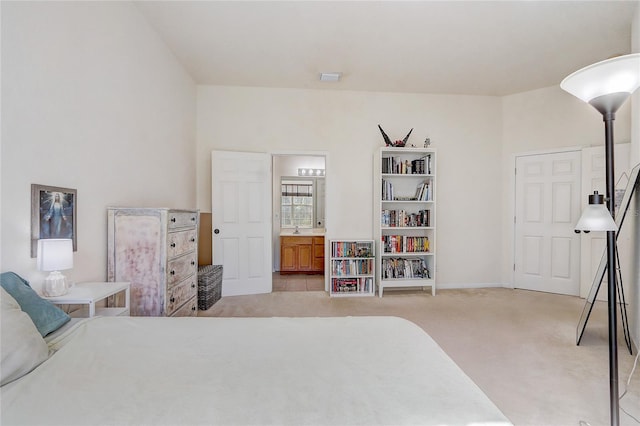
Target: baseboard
<point x="460" y="286"/>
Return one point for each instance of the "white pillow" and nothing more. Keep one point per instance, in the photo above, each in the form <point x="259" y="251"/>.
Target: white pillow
<point x="21" y="345"/>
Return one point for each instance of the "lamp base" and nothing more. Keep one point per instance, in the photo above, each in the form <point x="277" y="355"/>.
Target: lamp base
<point x="55" y="284"/>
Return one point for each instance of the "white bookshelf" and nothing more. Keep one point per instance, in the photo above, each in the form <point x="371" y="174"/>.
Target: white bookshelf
<point x="352" y="268"/>
<point x="405" y="230"/>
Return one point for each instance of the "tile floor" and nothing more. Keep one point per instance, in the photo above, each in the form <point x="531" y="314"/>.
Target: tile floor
<point x="297" y="282"/>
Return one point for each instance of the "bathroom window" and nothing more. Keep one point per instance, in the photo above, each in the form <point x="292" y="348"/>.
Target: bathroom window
<point x="296" y="204"/>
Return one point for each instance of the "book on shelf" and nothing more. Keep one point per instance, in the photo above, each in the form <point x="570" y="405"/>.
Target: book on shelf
<point x="424" y="191"/>
<point x="387" y="190"/>
<point x="396" y="165"/>
<point x="351" y="249"/>
<point x="351" y="266"/>
<point x="401" y="268"/>
<point x="401" y="218"/>
<point x="352" y="285"/>
<point x="405" y="244"/>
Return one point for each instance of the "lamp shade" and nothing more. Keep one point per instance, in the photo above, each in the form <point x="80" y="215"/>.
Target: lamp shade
<point x="616" y="75"/>
<point x="595" y="216"/>
<point x="55" y="254"/>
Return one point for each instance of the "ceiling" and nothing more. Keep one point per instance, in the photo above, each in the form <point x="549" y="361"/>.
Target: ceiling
<point x="451" y="47"/>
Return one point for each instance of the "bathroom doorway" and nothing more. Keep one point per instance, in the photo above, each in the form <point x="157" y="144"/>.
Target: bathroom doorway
<point x="299" y="225"/>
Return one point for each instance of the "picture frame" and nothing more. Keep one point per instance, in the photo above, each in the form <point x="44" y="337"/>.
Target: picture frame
<point x="53" y="214"/>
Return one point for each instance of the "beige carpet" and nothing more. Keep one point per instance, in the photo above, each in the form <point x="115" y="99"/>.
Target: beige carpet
<point x="518" y="346"/>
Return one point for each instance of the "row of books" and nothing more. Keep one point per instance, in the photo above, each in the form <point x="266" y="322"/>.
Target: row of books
<point x="404" y="268"/>
<point x="352" y="266"/>
<point x="424" y="192"/>
<point x="400" y="218"/>
<point x="396" y="165"/>
<point x="387" y="190"/>
<point x="351" y="249"/>
<point x="352" y="285"/>
<point x="404" y="244"/>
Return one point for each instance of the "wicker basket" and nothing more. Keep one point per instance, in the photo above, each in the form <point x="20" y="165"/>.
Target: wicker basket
<point x="209" y="286"/>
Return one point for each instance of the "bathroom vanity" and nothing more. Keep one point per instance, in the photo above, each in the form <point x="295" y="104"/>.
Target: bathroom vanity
<point x="301" y="253"/>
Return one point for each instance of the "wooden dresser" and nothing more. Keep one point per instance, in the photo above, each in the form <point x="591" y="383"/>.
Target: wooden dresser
<point x="156" y="250"/>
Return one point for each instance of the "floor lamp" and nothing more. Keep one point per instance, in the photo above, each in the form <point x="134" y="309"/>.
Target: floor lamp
<point x="606" y="86"/>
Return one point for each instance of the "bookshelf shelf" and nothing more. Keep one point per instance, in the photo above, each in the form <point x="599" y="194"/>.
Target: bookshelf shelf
<point x="352" y="268"/>
<point x="405" y="233"/>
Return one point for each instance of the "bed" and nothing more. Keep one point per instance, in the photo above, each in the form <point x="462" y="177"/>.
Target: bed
<point x="245" y="371"/>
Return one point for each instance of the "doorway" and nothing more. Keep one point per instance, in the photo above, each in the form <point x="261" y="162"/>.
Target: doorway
<point x="299" y="205"/>
<point x="547" y="206"/>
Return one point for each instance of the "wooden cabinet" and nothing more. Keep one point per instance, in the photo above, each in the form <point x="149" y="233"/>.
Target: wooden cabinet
<point x="156" y="250"/>
<point x="318" y="254"/>
<point x="301" y="254"/>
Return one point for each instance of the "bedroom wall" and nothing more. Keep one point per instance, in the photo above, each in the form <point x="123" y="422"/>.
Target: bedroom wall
<point x="466" y="130"/>
<point x="545" y="120"/>
<point x="634" y="297"/>
<point x="548" y="119"/>
<point x="92" y="100"/>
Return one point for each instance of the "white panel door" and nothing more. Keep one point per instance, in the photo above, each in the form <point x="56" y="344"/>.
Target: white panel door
<point x="594" y="244"/>
<point x="241" y="220"/>
<point x="547" y="250"/>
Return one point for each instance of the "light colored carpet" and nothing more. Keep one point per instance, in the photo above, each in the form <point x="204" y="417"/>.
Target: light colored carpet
<point x="518" y="346"/>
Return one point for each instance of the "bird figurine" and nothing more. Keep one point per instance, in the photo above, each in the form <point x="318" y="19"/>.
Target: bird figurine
<point x="387" y="141"/>
<point x="398" y="143"/>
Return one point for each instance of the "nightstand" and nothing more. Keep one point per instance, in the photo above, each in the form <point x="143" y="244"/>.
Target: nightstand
<point x="91" y="292"/>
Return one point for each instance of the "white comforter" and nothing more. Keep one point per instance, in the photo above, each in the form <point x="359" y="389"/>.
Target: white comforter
<point x="247" y="371"/>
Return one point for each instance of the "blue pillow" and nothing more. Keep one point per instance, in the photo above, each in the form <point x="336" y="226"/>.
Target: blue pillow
<point x="45" y="315"/>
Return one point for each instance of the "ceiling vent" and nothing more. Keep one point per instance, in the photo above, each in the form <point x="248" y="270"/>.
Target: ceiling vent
<point x="330" y="76"/>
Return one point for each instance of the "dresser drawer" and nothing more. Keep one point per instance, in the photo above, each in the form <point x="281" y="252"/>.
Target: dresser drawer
<point x="179" y="220"/>
<point x="180" y="293"/>
<point x="181" y="267"/>
<point x="181" y="242"/>
<point x="189" y="309"/>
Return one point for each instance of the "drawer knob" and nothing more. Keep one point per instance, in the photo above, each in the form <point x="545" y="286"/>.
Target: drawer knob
<point x="193" y="308"/>
<point x="193" y="262"/>
<point x="193" y="219"/>
<point x="193" y="285"/>
<point x="173" y="245"/>
<point x="172" y="272"/>
<point x="173" y="299"/>
<point x="173" y="219"/>
<point x="193" y="240"/>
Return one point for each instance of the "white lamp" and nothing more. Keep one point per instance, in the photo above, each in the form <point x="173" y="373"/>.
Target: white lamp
<point x="595" y="216"/>
<point x="55" y="255"/>
<point x="606" y="85"/>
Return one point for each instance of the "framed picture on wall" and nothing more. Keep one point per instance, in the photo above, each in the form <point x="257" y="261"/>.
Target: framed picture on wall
<point x="53" y="214"/>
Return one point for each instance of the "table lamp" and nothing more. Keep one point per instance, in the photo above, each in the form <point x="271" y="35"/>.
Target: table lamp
<point x="55" y="255"/>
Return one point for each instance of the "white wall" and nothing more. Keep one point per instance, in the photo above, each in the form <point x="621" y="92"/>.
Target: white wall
<point x="634" y="296"/>
<point x="93" y="100"/>
<point x="466" y="130"/>
<point x="549" y="119"/>
<point x="540" y="120"/>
